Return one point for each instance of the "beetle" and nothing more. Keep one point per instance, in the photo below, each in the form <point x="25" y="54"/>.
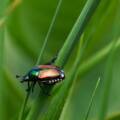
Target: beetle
<point x="46" y="74"/>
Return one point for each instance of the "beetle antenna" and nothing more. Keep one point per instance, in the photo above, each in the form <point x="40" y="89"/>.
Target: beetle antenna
<point x="52" y="60"/>
<point x="18" y="76"/>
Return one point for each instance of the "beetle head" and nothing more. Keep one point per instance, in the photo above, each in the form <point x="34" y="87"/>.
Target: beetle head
<point x="23" y="78"/>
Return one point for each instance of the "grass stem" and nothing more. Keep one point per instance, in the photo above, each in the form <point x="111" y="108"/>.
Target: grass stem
<point x="49" y="32"/>
<point x="91" y="100"/>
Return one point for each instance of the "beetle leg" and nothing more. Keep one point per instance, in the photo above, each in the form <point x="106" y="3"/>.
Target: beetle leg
<point x="33" y="85"/>
<point x="28" y="84"/>
<point x="42" y="87"/>
<point x="28" y="89"/>
<point x="22" y="81"/>
<point x="52" y="61"/>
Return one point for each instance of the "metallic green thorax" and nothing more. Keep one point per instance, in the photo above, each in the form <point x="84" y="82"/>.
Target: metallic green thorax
<point x="35" y="73"/>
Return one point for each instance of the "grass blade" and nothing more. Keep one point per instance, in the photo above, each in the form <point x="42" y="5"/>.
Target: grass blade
<point x="1" y="73"/>
<point x="21" y="115"/>
<point x="77" y="31"/>
<point x="91" y="100"/>
<point x="4" y="13"/>
<point x="2" y="35"/>
<point x="49" y="32"/>
<point x="97" y="58"/>
<point x="107" y="85"/>
<point x="9" y="10"/>
<point x="108" y="75"/>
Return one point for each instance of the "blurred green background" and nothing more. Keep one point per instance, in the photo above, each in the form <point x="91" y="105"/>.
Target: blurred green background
<point x="24" y="34"/>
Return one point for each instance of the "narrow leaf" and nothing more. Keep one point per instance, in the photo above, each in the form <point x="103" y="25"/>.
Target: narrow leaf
<point x="108" y="74"/>
<point x="97" y="58"/>
<point x="77" y="31"/>
<point x="49" y="32"/>
<point x="91" y="100"/>
<point x="2" y="108"/>
<point x="1" y="73"/>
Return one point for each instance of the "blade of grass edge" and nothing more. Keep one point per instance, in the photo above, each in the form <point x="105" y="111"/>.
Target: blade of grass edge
<point x="6" y="12"/>
<point x="97" y="58"/>
<point x="1" y="72"/>
<point x="2" y="37"/>
<point x="21" y="114"/>
<point x="91" y="100"/>
<point x="108" y="73"/>
<point x="77" y="31"/>
<point x="107" y="85"/>
<point x="49" y="32"/>
<point x="10" y="8"/>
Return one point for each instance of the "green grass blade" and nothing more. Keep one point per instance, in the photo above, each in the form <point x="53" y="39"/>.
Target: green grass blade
<point x="91" y="100"/>
<point x="97" y="58"/>
<point x="77" y="31"/>
<point x="1" y="72"/>
<point x="10" y="8"/>
<point x="49" y="32"/>
<point x="108" y="75"/>
<point x="5" y="11"/>
<point x="2" y="37"/>
<point x="22" y="112"/>
<point x="107" y="86"/>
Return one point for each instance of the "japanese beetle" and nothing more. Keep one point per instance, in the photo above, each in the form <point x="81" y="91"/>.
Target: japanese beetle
<point x="46" y="74"/>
